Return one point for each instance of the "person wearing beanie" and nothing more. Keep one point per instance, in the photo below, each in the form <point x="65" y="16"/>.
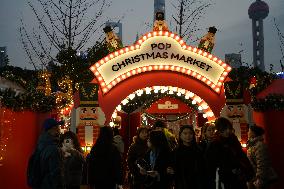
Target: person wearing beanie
<point x="137" y="151"/>
<point x="259" y="158"/>
<point x="50" y="156"/>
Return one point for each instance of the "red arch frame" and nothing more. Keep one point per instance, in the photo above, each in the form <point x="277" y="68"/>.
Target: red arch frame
<point x="109" y="101"/>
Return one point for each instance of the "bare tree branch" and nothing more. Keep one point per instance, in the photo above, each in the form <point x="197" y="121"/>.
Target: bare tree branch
<point x="60" y="24"/>
<point x="187" y="17"/>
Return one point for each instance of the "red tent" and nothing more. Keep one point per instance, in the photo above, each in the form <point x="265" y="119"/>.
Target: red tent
<point x="276" y="87"/>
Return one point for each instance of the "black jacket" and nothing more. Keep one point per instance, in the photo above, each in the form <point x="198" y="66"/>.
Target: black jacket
<point x="188" y="167"/>
<point x="234" y="167"/>
<point x="209" y="173"/>
<point x="163" y="161"/>
<point x="73" y="168"/>
<point x="137" y="150"/>
<point x="105" y="168"/>
<point x="51" y="162"/>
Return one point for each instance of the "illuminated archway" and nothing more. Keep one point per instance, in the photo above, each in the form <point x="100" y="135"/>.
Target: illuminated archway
<point x="160" y="59"/>
<point x="183" y="93"/>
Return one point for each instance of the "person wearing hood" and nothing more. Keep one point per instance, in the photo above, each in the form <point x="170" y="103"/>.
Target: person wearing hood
<point x="51" y="159"/>
<point x="259" y="158"/>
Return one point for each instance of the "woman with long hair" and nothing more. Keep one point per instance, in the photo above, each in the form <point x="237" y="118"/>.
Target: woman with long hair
<point x="207" y="137"/>
<point x="73" y="160"/>
<point x="137" y="150"/>
<point x="187" y="160"/>
<point x="105" y="164"/>
<point x="158" y="160"/>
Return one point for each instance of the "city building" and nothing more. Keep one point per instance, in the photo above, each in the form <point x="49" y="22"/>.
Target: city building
<point x="235" y="60"/>
<point x="258" y="11"/>
<point x="3" y="56"/>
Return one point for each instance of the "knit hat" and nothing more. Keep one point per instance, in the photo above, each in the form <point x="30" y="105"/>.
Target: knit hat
<point x="50" y="123"/>
<point x="258" y="131"/>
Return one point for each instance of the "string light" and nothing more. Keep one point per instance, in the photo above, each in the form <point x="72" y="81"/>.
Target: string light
<point x="6" y="129"/>
<point x="44" y="75"/>
<point x="130" y="73"/>
<point x="196" y="100"/>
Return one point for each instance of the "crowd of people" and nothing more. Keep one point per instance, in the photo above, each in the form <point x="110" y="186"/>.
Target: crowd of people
<point x="156" y="159"/>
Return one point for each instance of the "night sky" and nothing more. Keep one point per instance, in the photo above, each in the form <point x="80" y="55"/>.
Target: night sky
<point x="230" y="17"/>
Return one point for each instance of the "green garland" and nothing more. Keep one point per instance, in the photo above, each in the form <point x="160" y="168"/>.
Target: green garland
<point x="70" y="64"/>
<point x="264" y="79"/>
<point x="77" y="68"/>
<point x="144" y="101"/>
<point x="33" y="101"/>
<point x="271" y="102"/>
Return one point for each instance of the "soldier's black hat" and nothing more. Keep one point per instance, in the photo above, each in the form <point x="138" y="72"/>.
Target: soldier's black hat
<point x="212" y="29"/>
<point x="107" y="29"/>
<point x="160" y="15"/>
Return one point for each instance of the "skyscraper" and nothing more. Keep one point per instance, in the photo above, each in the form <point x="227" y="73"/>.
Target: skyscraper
<point x="3" y="56"/>
<point x="235" y="60"/>
<point x="159" y="5"/>
<point x="257" y="12"/>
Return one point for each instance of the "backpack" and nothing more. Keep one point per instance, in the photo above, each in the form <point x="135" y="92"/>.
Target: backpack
<point x="34" y="175"/>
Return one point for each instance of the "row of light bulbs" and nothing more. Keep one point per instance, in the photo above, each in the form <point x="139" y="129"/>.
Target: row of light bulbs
<point x="107" y="87"/>
<point x="202" y="105"/>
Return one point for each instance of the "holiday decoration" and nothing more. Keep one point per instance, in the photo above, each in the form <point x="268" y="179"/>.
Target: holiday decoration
<point x="6" y="129"/>
<point x="171" y="50"/>
<point x="112" y="40"/>
<point x="253" y="82"/>
<point x="160" y="23"/>
<point x="66" y="85"/>
<point x="235" y="109"/>
<point x="89" y="116"/>
<point x="207" y="42"/>
<point x="44" y="82"/>
<point x="271" y="102"/>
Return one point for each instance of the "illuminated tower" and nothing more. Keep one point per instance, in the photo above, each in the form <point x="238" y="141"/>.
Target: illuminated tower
<point x="257" y="12"/>
<point x="159" y="5"/>
<point x="3" y="56"/>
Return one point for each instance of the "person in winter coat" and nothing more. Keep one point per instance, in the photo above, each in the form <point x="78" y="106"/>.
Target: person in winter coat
<point x="188" y="164"/>
<point x="158" y="161"/>
<point x="161" y="126"/>
<point x="73" y="160"/>
<point x="117" y="141"/>
<point x="51" y="156"/>
<point x="207" y="137"/>
<point x="137" y="150"/>
<point x="226" y="154"/>
<point x="105" y="169"/>
<point x="259" y="158"/>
